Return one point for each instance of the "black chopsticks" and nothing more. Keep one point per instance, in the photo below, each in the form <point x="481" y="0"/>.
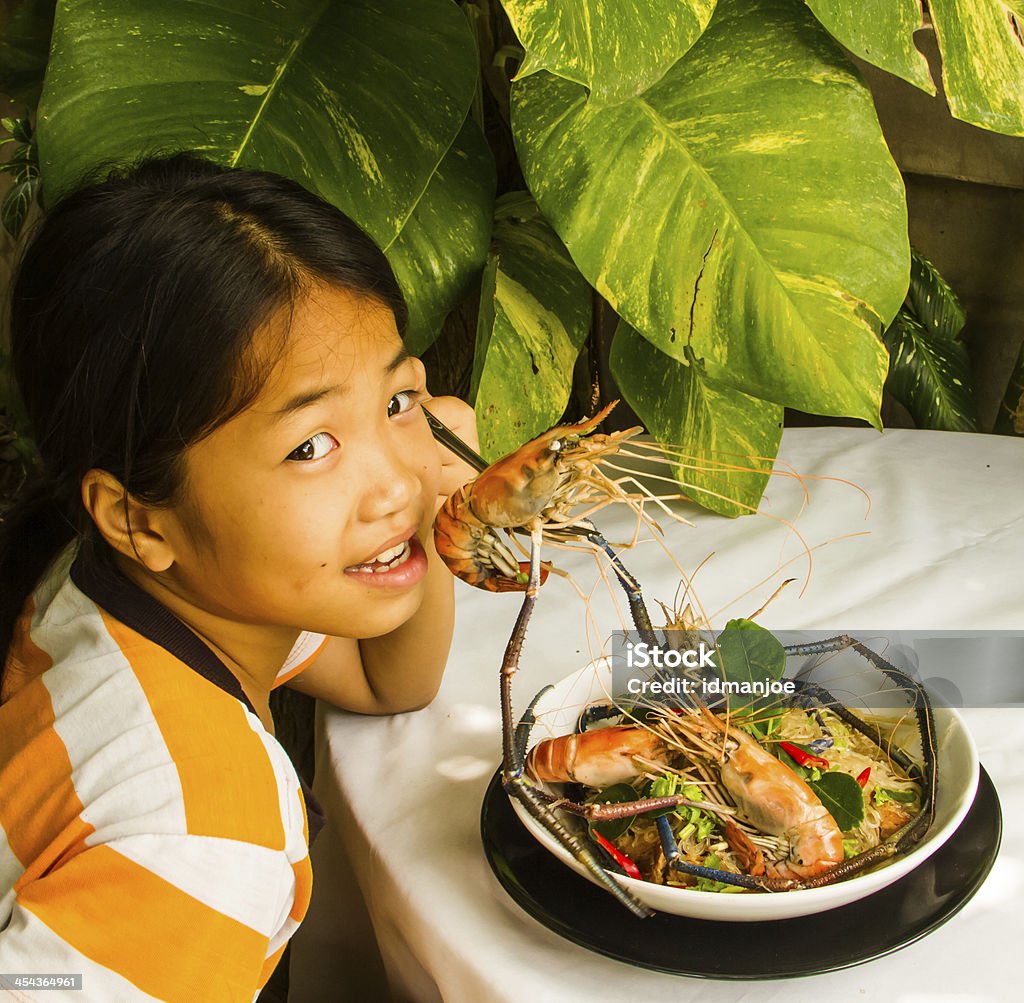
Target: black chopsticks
<point x="449" y="439"/>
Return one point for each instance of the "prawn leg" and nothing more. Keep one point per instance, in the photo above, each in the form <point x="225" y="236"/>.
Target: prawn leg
<point x="634" y="594"/>
<point x="595" y="712"/>
<point x="597" y="812"/>
<point x="670" y="848"/>
<point x="525" y="726"/>
<point x="513" y="747"/>
<point x="922" y="707"/>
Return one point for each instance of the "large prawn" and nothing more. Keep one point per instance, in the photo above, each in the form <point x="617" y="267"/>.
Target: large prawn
<point x="776" y="800"/>
<point x="552" y="484"/>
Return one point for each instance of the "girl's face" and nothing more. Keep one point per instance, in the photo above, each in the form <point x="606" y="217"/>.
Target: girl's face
<point x="312" y="508"/>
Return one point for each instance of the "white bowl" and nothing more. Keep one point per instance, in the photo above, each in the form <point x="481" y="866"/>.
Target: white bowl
<point x="557" y="713"/>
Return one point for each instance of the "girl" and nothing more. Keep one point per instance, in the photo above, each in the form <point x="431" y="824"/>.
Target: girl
<point x="238" y="479"/>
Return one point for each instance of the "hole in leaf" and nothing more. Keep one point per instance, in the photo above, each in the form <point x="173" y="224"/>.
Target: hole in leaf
<point x="1015" y="27"/>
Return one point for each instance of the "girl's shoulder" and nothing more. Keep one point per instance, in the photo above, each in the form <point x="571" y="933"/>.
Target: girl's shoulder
<point x="140" y="805"/>
<point x="135" y="736"/>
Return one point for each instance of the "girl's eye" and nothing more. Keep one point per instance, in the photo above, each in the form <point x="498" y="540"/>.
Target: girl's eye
<point x="403" y="401"/>
<point x="314" y="448"/>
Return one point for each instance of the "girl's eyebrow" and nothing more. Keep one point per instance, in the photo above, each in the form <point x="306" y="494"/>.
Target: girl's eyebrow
<point x="304" y="398"/>
<point x="402" y="355"/>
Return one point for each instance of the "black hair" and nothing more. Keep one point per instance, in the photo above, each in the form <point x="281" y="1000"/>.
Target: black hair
<point x="132" y="313"/>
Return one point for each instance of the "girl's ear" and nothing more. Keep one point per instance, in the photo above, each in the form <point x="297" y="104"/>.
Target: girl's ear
<point x="132" y="528"/>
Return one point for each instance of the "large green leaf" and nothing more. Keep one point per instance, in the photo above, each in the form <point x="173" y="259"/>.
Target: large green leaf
<point x="616" y="48"/>
<point x="535" y="315"/>
<point x="442" y="247"/>
<point x="359" y="100"/>
<point x="729" y="436"/>
<point x="982" y="45"/>
<point x="930" y="376"/>
<point x="881" y="32"/>
<point x="24" y="45"/>
<point x="746" y="205"/>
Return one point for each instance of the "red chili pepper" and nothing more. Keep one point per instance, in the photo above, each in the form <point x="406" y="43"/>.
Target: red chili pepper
<point x="803" y="758"/>
<point x="862" y="777"/>
<point x="618" y="856"/>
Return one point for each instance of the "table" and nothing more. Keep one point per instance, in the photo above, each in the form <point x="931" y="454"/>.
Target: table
<point x="401" y="860"/>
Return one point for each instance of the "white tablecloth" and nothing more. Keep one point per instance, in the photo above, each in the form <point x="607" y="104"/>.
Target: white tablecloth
<point x="401" y="860"/>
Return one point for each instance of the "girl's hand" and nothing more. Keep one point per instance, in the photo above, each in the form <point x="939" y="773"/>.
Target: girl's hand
<point x="461" y="419"/>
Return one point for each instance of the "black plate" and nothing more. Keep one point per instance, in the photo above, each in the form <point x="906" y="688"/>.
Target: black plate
<point x="880" y="924"/>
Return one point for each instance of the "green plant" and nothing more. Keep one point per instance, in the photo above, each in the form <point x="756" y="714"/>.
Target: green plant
<point x="713" y="170"/>
<point x="929" y="372"/>
<point x="23" y="167"/>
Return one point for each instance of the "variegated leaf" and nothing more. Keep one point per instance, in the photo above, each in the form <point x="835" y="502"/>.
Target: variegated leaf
<point x="438" y="256"/>
<point x="881" y="32"/>
<point x="982" y="46"/>
<point x="728" y="439"/>
<point x="358" y="100"/>
<point x="933" y="302"/>
<point x="16" y="204"/>
<point x="534" y="317"/>
<point x="334" y="93"/>
<point x="746" y="202"/>
<point x="616" y="48"/>
<point x="22" y="165"/>
<point x="930" y="377"/>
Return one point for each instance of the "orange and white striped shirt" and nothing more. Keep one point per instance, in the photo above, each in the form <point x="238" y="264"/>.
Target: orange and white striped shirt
<point x="153" y="834"/>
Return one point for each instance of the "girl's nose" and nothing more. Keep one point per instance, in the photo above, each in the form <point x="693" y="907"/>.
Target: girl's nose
<point x="391" y="485"/>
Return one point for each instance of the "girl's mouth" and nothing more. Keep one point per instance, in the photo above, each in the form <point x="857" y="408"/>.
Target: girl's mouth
<point x="403" y="564"/>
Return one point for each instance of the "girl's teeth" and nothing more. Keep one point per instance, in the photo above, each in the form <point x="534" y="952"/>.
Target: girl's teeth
<point x="385" y="560"/>
<point x="386" y="555"/>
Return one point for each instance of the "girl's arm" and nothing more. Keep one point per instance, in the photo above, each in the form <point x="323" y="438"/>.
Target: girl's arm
<point x="400" y="671"/>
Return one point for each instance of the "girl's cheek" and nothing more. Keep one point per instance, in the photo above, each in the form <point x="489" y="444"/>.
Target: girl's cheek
<point x="430" y="469"/>
<point x="432" y="479"/>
